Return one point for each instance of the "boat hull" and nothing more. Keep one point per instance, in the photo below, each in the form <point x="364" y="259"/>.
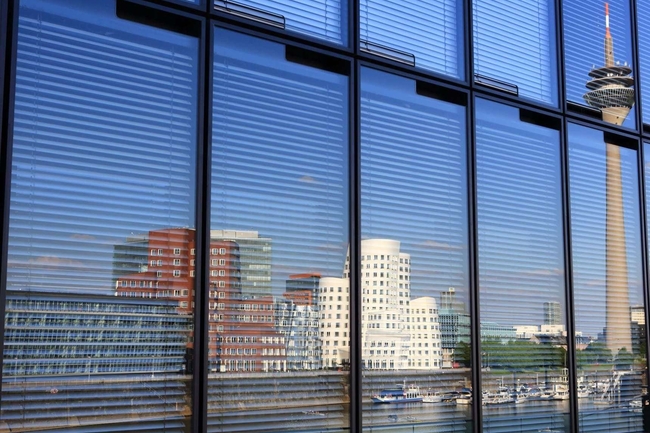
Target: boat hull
<point x="379" y="400"/>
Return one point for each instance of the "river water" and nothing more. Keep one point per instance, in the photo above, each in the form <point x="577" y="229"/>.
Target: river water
<point x="530" y="416"/>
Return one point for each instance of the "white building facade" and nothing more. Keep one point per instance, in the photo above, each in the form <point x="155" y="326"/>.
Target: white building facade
<point x="425" y="351"/>
<point x="391" y="338"/>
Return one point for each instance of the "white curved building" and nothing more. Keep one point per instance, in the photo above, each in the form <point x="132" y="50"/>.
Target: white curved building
<point x="393" y="338"/>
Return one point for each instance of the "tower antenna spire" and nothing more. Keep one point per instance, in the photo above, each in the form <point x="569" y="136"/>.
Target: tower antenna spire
<point x="609" y="41"/>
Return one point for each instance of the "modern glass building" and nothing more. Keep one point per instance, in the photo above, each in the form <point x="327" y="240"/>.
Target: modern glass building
<point x="324" y="216"/>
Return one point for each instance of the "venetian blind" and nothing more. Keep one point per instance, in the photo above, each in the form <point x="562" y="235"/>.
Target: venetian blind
<point x="427" y="31"/>
<point x="279" y="172"/>
<point x="521" y="268"/>
<point x="414" y="248"/>
<point x="104" y="146"/>
<point x="584" y="42"/>
<point x="515" y="43"/>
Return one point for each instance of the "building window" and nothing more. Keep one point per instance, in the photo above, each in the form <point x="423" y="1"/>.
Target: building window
<point x="177" y="273"/>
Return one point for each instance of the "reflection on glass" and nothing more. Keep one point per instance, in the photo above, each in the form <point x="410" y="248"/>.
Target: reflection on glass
<point x="516" y="44"/>
<point x="322" y="19"/>
<point x="99" y="288"/>
<point x="279" y="326"/>
<point x="521" y="273"/>
<point x="608" y="294"/>
<point x="598" y="58"/>
<point x="415" y="306"/>
<point x="423" y="33"/>
<point x="643" y="33"/>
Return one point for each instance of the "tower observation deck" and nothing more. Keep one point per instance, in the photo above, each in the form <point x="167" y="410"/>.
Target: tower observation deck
<point x="610" y="87"/>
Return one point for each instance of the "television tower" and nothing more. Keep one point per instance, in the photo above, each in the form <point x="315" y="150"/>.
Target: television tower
<point x="610" y="90"/>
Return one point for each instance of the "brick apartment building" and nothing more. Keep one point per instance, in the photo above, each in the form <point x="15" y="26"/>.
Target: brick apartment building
<point x="161" y="264"/>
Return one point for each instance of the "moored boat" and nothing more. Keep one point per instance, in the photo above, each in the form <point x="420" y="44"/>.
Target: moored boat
<point x="405" y="394"/>
<point x="464" y="397"/>
<point x="432" y="397"/>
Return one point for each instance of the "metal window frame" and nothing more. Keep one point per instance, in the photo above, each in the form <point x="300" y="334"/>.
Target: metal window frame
<point x="8" y="50"/>
<point x="204" y="13"/>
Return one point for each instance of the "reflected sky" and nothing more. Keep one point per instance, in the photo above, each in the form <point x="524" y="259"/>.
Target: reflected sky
<point x="79" y="187"/>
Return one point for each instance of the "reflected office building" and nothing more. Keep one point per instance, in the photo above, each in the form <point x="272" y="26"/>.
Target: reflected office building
<point x="297" y="320"/>
<point x="454" y="325"/>
<point x="81" y="352"/>
<point x="242" y="329"/>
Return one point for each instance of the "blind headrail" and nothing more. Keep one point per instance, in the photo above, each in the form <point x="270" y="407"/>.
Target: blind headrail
<point x="251" y="13"/>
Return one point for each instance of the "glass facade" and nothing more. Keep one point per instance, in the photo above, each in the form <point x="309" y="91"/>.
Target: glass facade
<point x="526" y="67"/>
<point x="324" y="216"/>
<point x="521" y="268"/>
<point x="413" y="264"/>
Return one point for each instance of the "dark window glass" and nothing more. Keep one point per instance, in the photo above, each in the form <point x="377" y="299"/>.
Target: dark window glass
<point x="322" y="19"/>
<point x="423" y="33"/>
<point x="521" y="273"/>
<point x="598" y="58"/>
<point x="607" y="277"/>
<point x="98" y="313"/>
<point x="279" y="210"/>
<point x="516" y="44"/>
<point x="414" y="261"/>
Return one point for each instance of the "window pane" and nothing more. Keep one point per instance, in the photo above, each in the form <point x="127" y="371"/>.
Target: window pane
<point x="643" y="18"/>
<point x="98" y="320"/>
<point x="598" y="56"/>
<point x="515" y="43"/>
<point x="607" y="278"/>
<point x="521" y="273"/>
<point x="414" y="264"/>
<point x="322" y="19"/>
<point x="279" y="204"/>
<point x="429" y="30"/>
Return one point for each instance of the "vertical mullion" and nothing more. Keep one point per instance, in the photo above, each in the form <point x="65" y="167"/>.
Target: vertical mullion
<point x="472" y="197"/>
<point x="559" y="52"/>
<point x="475" y="323"/>
<point x="468" y="20"/>
<point x="568" y="280"/>
<point x="644" y="241"/>
<point x="355" y="249"/>
<point x="202" y="238"/>
<point x="636" y="65"/>
<point x="8" y="49"/>
<point x="4" y="10"/>
<point x="354" y="24"/>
